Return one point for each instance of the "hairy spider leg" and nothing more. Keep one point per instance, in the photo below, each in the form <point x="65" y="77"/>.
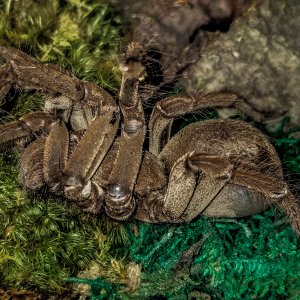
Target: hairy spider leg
<point x="67" y="97"/>
<point x="120" y="203"/>
<point x="218" y="169"/>
<point x="25" y="127"/>
<point x="172" y="107"/>
<point x="28" y="73"/>
<point x="77" y="175"/>
<point x="180" y="203"/>
<point x="84" y="105"/>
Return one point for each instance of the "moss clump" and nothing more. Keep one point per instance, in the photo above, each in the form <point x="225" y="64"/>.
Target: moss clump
<point x="248" y="258"/>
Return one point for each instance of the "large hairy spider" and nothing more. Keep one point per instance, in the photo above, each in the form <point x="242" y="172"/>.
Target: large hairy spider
<point x="91" y="149"/>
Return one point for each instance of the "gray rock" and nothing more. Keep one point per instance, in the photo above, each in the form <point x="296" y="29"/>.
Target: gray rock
<point x="258" y="59"/>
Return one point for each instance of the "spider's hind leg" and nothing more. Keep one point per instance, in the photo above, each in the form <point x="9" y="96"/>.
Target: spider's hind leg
<point x="5" y="84"/>
<point x="43" y="161"/>
<point x="31" y="165"/>
<point x="167" y="109"/>
<point x="291" y="206"/>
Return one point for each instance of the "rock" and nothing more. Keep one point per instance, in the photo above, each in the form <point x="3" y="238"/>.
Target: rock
<point x="258" y="59"/>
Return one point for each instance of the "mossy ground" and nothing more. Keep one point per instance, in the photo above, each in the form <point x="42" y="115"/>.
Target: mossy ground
<point x="44" y="241"/>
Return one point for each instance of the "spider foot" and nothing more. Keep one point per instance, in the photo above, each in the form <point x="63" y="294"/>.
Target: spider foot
<point x="119" y="203"/>
<point x="87" y="195"/>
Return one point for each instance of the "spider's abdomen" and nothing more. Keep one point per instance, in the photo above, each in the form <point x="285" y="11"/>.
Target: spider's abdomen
<point x="232" y="139"/>
<point x="236" y="201"/>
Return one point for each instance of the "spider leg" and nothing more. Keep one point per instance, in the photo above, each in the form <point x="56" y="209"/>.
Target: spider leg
<point x="291" y="206"/>
<point x="28" y="73"/>
<point x="218" y="171"/>
<point x="194" y="182"/>
<point x="4" y="82"/>
<point x="83" y="162"/>
<point x="25" y="127"/>
<point x="31" y="165"/>
<point x="83" y="105"/>
<point x="214" y="173"/>
<point x="31" y="161"/>
<point x="55" y="156"/>
<point x="273" y="188"/>
<point x="175" y="106"/>
<point x="46" y="161"/>
<point x="197" y="179"/>
<point x="63" y="90"/>
<point x="119" y="201"/>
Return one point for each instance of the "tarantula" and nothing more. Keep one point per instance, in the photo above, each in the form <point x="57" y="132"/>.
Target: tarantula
<point x="91" y="149"/>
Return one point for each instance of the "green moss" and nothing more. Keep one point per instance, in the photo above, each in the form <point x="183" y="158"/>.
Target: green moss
<point x="43" y="241"/>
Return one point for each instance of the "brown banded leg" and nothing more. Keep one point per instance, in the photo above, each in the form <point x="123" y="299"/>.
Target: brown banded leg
<point x="63" y="89"/>
<point x="25" y="127"/>
<point x="119" y="203"/>
<point x="31" y="165"/>
<point x="77" y="178"/>
<point x="194" y="181"/>
<point x="175" y="106"/>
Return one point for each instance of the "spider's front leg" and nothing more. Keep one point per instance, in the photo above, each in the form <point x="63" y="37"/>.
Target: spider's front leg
<point x="81" y="181"/>
<point x="66" y="97"/>
<point x="22" y="70"/>
<point x="72" y="174"/>
<point x="86" y="107"/>
<point x="73" y="100"/>
<point x="119" y="201"/>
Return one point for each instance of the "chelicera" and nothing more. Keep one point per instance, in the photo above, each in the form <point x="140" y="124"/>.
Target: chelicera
<point x="90" y="148"/>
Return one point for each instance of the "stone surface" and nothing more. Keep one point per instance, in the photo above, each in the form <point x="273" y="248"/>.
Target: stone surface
<point x="258" y="59"/>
